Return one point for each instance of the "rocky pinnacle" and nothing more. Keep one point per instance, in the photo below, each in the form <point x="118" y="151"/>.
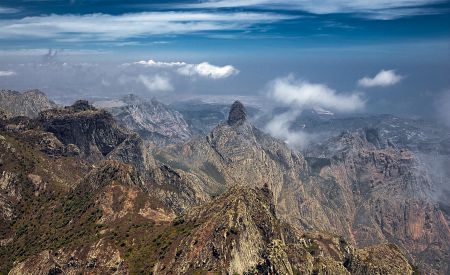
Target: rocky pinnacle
<point x="237" y="114"/>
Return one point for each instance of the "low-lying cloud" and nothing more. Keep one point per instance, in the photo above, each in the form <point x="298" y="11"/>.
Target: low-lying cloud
<point x="7" y="73"/>
<point x="383" y="79"/>
<point x="156" y="83"/>
<point x="298" y="95"/>
<point x="203" y="69"/>
<point x="279" y="127"/>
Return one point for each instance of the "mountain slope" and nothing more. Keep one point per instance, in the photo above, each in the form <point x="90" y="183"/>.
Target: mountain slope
<point x="236" y="233"/>
<point x="29" y="103"/>
<point x="152" y="120"/>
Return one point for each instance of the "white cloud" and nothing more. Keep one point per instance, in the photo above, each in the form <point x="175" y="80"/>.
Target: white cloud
<point x="203" y="69"/>
<point x="156" y="83"/>
<point x="299" y="95"/>
<point x="7" y="73"/>
<point x="392" y="9"/>
<point x="383" y="79"/>
<point x="207" y="70"/>
<point x="103" y="27"/>
<point x="160" y="64"/>
<point x="303" y="94"/>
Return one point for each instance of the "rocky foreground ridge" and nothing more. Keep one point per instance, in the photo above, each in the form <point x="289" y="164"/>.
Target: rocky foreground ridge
<point x="80" y="193"/>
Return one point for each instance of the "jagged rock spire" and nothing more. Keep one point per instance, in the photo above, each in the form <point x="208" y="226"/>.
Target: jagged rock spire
<point x="237" y="114"/>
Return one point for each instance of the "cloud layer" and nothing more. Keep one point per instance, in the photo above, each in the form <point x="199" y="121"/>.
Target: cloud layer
<point x="373" y="9"/>
<point x="383" y="79"/>
<point x="103" y="27"/>
<point x="5" y="10"/>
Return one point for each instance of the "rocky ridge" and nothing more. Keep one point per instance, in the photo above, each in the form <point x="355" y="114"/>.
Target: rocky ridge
<point x="29" y="103"/>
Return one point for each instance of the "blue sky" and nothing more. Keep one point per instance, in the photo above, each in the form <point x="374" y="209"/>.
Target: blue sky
<point x="288" y="23"/>
<point x="334" y="43"/>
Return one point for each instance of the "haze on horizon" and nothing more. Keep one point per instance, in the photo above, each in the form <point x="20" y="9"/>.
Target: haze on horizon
<point x="344" y="56"/>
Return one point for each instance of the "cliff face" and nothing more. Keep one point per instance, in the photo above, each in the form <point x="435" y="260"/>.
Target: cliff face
<point x="29" y="103"/>
<point x="153" y="121"/>
<point x="94" y="132"/>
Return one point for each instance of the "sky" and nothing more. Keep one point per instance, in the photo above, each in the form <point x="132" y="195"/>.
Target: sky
<point x="374" y="56"/>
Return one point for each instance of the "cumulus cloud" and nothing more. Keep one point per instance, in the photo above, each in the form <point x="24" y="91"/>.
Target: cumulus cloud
<point x="372" y="9"/>
<point x="207" y="70"/>
<point x="383" y="79"/>
<point x="160" y="64"/>
<point x="104" y="27"/>
<point x="156" y="83"/>
<point x="7" y="73"/>
<point x="203" y="69"/>
<point x="301" y="93"/>
<point x="298" y="95"/>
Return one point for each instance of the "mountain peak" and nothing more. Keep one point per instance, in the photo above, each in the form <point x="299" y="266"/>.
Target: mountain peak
<point x="237" y="114"/>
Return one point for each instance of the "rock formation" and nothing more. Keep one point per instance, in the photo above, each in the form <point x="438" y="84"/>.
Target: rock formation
<point x="237" y="114"/>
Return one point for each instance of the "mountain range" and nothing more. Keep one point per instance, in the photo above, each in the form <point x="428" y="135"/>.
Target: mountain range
<point x="135" y="187"/>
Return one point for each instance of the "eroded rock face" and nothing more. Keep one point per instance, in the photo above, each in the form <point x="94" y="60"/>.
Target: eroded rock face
<point x="29" y="103"/>
<point x="94" y="132"/>
<point x="391" y="197"/>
